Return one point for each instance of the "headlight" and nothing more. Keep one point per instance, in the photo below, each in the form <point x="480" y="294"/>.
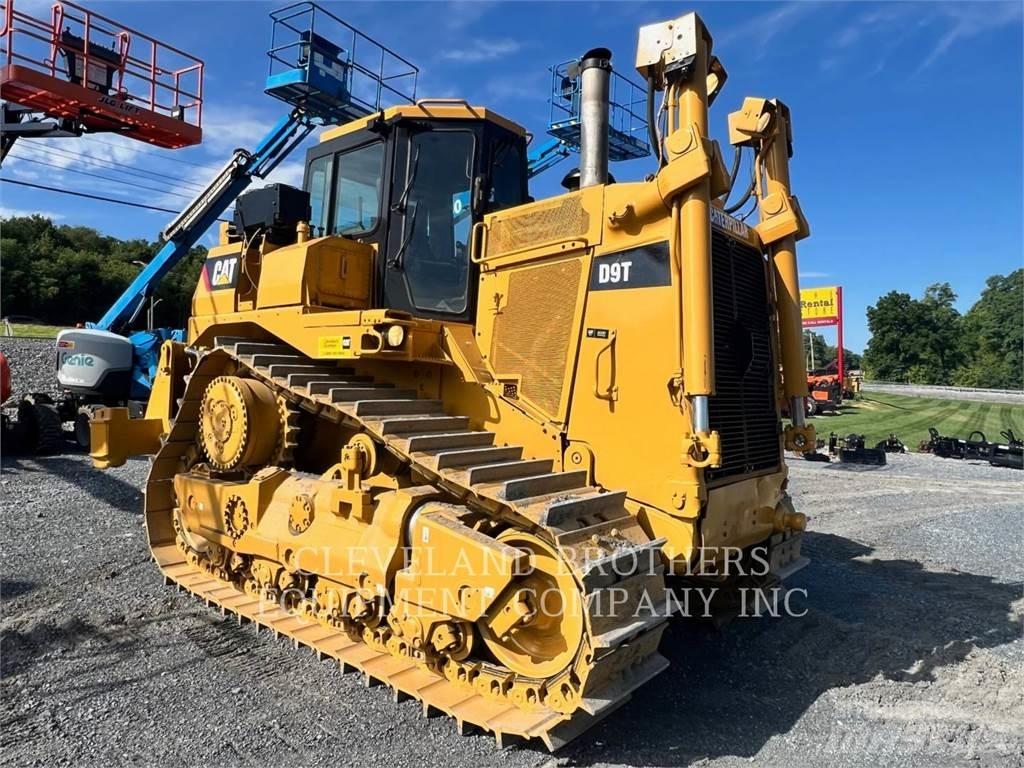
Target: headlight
<point x="396" y="335"/>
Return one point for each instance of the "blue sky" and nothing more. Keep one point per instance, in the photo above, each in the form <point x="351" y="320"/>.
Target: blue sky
<point x="907" y="116"/>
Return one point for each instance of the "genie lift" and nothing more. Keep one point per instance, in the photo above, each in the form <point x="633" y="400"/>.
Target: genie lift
<point x="325" y="83"/>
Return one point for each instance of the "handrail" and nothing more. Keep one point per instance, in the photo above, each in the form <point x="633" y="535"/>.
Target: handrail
<point x="166" y="86"/>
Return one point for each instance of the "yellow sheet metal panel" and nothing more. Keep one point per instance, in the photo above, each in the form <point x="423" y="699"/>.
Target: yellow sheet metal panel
<point x="339" y="273"/>
<point x="327" y="272"/>
<point x="215" y="292"/>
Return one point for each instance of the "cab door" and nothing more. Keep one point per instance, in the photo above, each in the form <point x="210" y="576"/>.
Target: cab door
<point x="427" y="271"/>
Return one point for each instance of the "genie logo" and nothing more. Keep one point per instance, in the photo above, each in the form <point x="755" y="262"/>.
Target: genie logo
<point x="80" y="360"/>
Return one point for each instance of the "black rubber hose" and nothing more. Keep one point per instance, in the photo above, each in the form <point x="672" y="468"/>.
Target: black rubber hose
<point x="750" y="188"/>
<point x="736" y="155"/>
<point x="652" y="134"/>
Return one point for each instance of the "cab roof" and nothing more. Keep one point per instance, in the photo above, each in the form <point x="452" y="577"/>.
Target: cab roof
<point x="434" y="109"/>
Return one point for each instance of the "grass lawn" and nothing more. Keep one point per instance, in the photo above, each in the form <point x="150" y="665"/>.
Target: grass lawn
<point x="875" y="415"/>
<point x="21" y="329"/>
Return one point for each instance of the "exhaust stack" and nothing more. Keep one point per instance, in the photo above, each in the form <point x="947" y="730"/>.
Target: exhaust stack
<point x="595" y="76"/>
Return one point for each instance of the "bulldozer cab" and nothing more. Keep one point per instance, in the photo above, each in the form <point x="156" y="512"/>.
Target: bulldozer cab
<point x="413" y="181"/>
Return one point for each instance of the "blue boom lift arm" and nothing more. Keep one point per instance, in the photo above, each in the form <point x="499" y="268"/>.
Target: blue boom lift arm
<point x="204" y="210"/>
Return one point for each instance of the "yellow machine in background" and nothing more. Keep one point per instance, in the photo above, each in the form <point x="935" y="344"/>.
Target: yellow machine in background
<point x="462" y="441"/>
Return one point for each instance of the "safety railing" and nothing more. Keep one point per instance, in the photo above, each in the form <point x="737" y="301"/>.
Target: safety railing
<point x="85" y="48"/>
<point x="327" y="66"/>
<point x="627" y="121"/>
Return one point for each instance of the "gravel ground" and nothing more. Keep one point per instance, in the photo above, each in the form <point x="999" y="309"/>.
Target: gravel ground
<point x="32" y="364"/>
<point x="910" y="652"/>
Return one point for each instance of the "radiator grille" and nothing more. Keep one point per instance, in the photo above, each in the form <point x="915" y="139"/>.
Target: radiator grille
<point x="533" y="330"/>
<point x="563" y="219"/>
<point x="743" y="408"/>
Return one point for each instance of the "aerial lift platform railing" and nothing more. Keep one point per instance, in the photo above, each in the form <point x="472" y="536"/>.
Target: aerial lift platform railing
<point x="627" y="123"/>
<point x="321" y="62"/>
<point x="112" y="78"/>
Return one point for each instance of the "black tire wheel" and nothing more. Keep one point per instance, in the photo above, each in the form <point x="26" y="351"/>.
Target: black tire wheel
<point x="43" y="429"/>
<point x="82" y="436"/>
<point x="811" y="406"/>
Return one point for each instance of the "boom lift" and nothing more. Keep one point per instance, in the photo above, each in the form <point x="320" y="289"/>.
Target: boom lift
<point x="474" y="455"/>
<point x="105" y="363"/>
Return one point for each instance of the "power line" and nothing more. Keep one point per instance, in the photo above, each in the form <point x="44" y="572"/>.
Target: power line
<point x="122" y="167"/>
<point x="115" y="145"/>
<point x="101" y="176"/>
<point x="92" y="197"/>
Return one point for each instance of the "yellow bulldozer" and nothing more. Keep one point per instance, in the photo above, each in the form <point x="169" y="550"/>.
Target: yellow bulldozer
<point x="471" y="444"/>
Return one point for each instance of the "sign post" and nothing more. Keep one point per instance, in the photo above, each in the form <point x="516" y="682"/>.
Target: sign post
<point x="821" y="307"/>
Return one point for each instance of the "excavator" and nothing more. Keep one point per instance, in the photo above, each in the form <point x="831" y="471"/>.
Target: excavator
<point x="472" y="444"/>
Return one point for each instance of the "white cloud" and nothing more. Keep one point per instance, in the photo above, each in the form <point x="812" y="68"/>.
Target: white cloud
<point x="290" y="172"/>
<point x="478" y="50"/>
<point x="966" y="21"/>
<point x="884" y="29"/>
<point x="758" y="32"/>
<point x="814" y="275"/>
<point x="460" y="14"/>
<point x="226" y="128"/>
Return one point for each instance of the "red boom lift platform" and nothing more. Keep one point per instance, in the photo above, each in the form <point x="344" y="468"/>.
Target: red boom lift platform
<point x="79" y="72"/>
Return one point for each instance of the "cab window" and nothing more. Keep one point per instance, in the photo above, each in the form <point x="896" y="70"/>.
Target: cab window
<point x="357" y="189"/>
<point x="506" y="175"/>
<point x="318" y="184"/>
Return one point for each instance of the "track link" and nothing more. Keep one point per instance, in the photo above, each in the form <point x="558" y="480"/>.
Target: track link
<point x="619" y="652"/>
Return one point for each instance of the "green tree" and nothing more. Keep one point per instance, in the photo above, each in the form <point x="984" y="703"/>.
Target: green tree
<point x="916" y="340"/>
<point x="994" y="336"/>
<point x="64" y="275"/>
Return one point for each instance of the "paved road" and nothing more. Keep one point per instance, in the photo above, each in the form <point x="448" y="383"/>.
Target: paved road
<point x="910" y="652"/>
<point x="946" y="393"/>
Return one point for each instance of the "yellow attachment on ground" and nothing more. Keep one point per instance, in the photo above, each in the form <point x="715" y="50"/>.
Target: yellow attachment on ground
<point x="239" y="422"/>
<point x="114" y="436"/>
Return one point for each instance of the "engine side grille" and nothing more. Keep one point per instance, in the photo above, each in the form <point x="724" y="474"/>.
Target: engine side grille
<point x="532" y="333"/>
<point x="563" y="219"/>
<point x="743" y="408"/>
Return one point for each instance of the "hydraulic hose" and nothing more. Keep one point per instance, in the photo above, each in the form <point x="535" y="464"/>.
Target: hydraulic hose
<point x="750" y="188"/>
<point x="652" y="133"/>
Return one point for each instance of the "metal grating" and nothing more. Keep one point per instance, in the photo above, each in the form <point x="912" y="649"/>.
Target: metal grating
<point x="562" y="219"/>
<point x="743" y="408"/>
<point x="533" y="330"/>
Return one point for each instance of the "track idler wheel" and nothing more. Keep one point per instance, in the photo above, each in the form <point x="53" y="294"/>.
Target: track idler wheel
<point x="239" y="423"/>
<point x="536" y="630"/>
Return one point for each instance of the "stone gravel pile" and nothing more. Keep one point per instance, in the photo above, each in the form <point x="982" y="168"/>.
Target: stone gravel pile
<point x="32" y="364"/>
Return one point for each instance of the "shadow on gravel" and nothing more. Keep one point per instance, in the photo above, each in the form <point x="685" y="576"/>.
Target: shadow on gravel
<point x="10" y="588"/>
<point x="727" y="693"/>
<point x="103" y="486"/>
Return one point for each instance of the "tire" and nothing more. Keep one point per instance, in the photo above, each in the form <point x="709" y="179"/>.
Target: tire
<point x="43" y="429"/>
<point x="810" y="406"/>
<point x="82" y="426"/>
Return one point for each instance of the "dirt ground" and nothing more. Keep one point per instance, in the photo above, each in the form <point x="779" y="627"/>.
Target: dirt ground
<point x="910" y="651"/>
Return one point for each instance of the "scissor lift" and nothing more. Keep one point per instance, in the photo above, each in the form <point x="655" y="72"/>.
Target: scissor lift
<point x="75" y="71"/>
